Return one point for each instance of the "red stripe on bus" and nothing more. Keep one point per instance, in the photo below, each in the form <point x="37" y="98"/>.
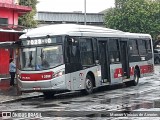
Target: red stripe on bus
<point x="131" y="71"/>
<point x="146" y="69"/>
<point x="118" y="73"/>
<point x="36" y="76"/>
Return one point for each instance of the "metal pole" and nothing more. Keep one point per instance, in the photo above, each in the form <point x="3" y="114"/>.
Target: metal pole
<point x="84" y="12"/>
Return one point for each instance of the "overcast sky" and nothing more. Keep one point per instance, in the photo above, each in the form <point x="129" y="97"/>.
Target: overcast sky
<point x="92" y="6"/>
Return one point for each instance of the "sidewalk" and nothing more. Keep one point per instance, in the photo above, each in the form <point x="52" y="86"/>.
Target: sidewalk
<point x="9" y="94"/>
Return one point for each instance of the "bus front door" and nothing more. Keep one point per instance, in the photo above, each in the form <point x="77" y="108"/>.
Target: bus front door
<point x="103" y="59"/>
<point x="124" y="59"/>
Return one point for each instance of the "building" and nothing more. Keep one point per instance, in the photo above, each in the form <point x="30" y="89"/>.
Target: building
<point x="47" y="18"/>
<point x="10" y="31"/>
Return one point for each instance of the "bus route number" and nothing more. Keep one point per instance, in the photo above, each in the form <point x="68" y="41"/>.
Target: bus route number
<point x="39" y="41"/>
<point x="46" y="76"/>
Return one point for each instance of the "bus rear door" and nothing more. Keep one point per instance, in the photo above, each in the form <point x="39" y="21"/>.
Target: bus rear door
<point x="114" y="61"/>
<point x="124" y="59"/>
<point x="103" y="59"/>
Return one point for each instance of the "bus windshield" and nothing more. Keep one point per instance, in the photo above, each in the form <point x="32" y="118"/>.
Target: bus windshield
<point x="40" y="58"/>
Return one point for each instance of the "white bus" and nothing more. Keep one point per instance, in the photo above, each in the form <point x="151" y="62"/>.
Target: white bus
<point x="68" y="57"/>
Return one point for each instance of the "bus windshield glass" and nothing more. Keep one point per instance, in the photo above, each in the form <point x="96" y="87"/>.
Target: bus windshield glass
<point x="41" y="58"/>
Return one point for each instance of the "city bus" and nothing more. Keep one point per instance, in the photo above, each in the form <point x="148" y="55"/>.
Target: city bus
<point x="69" y="57"/>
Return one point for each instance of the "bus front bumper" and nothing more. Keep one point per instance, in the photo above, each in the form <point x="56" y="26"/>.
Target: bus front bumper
<point x="56" y="84"/>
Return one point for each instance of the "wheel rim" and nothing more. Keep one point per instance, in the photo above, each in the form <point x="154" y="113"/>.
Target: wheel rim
<point x="136" y="77"/>
<point x="88" y="84"/>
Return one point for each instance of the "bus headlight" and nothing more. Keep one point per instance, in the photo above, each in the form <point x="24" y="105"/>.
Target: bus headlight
<point x="59" y="73"/>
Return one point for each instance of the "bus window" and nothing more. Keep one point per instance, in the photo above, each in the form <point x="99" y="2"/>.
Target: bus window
<point x="113" y="48"/>
<point x="148" y="45"/>
<point x="95" y="49"/>
<point x="142" y="47"/>
<point x="133" y="47"/>
<point x="41" y="57"/>
<point x="72" y="54"/>
<point x="86" y="51"/>
<point x="74" y="50"/>
<point x="48" y="57"/>
<point x="27" y="59"/>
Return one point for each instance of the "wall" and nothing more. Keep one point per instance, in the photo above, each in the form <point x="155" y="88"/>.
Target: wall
<point x="6" y="36"/>
<point x="7" y="1"/>
<point x="10" y="14"/>
<point x="4" y="61"/>
<point x="5" y="52"/>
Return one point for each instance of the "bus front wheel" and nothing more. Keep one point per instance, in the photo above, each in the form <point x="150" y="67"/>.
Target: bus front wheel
<point x="88" y="85"/>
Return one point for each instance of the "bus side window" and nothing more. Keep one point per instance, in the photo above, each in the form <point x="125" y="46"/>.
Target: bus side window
<point x="142" y="47"/>
<point x="68" y="45"/>
<point x="95" y="49"/>
<point x="133" y="47"/>
<point x="86" y="51"/>
<point x="148" y="46"/>
<point x="72" y="50"/>
<point x="113" y="48"/>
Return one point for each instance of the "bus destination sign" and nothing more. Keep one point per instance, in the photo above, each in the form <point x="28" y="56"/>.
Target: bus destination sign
<point x="41" y="41"/>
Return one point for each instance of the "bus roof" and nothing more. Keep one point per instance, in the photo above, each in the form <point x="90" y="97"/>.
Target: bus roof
<point x="80" y="30"/>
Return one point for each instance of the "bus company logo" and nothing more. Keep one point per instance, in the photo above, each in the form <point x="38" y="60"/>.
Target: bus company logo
<point x="26" y="78"/>
<point x="5" y="115"/>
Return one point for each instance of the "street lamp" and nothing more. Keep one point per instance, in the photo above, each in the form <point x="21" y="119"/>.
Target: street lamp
<point x="84" y="12"/>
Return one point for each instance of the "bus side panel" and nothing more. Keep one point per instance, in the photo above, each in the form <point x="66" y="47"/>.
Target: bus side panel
<point x="59" y="82"/>
<point x="132" y="68"/>
<point x="78" y="78"/>
<point x="145" y="67"/>
<point x="98" y="76"/>
<point x="68" y="81"/>
<point x="116" y="73"/>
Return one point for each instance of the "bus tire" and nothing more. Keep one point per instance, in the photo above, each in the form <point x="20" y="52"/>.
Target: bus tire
<point x="48" y="94"/>
<point x="88" y="85"/>
<point x="135" y="81"/>
<point x="136" y="78"/>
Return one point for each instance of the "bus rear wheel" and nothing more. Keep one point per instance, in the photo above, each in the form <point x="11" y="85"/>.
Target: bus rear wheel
<point x="48" y="94"/>
<point x="135" y="81"/>
<point x="88" y="85"/>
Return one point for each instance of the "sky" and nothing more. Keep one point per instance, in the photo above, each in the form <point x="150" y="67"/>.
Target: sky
<point x="92" y="6"/>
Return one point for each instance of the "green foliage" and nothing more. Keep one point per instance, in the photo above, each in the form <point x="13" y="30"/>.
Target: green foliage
<point x="27" y="20"/>
<point x="140" y="16"/>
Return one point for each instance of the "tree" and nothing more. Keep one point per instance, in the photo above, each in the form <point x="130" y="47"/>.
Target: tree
<point x="27" y="20"/>
<point x="140" y="16"/>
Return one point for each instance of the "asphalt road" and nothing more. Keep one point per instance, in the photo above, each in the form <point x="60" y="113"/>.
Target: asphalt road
<point x="119" y="100"/>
